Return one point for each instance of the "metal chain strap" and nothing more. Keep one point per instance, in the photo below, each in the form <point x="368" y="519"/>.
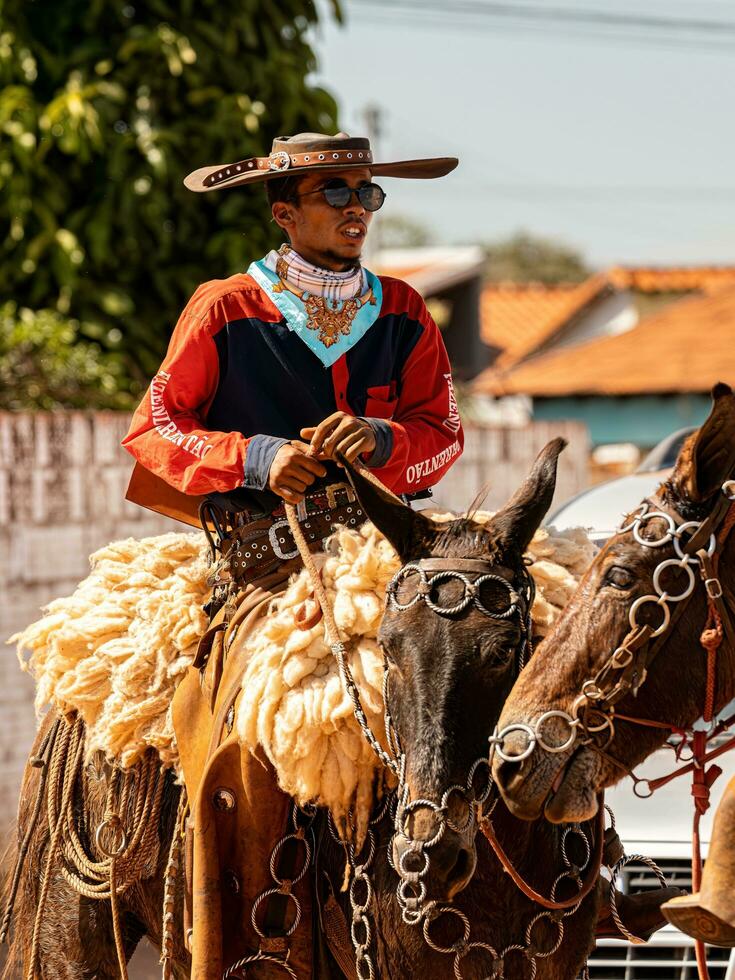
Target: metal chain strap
<point x="411" y="891"/>
<point x="360" y="878"/>
<point x="281" y="886"/>
<point x="471" y="593"/>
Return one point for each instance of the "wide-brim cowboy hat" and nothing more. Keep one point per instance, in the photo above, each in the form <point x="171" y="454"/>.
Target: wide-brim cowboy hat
<point x="307" y="152"/>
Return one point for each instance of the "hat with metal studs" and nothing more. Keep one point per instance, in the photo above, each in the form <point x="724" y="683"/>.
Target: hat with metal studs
<point x="307" y="152"/>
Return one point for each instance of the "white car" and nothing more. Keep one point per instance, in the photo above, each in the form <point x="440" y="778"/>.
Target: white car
<point x="659" y="827"/>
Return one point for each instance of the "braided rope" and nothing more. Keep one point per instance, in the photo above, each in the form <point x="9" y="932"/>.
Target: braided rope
<point x="70" y="744"/>
<point x="38" y="762"/>
<point x="131" y="854"/>
<point x="614" y="872"/>
<point x="169" y="890"/>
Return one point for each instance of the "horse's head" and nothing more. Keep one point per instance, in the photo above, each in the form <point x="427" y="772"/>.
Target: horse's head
<point x="628" y="642"/>
<point x="455" y="623"/>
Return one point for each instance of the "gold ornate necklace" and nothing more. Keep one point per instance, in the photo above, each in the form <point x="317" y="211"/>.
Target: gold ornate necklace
<point x="331" y="319"/>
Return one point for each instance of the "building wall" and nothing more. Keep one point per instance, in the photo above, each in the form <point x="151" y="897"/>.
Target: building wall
<point x="62" y="486"/>
<point x="611" y="314"/>
<point x="643" y="420"/>
<point x="502" y="455"/>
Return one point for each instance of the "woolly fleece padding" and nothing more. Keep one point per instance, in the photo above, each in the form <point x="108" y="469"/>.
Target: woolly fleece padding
<point x="115" y="650"/>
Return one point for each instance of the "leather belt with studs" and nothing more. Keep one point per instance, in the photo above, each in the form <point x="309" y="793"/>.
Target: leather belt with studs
<point x="258" y="548"/>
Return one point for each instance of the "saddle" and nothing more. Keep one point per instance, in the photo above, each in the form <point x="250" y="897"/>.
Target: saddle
<point x="249" y="895"/>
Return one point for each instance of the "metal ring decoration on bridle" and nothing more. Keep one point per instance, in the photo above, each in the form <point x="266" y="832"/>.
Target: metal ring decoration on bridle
<point x="471" y="594"/>
<point x="593" y="711"/>
<point x="433" y="571"/>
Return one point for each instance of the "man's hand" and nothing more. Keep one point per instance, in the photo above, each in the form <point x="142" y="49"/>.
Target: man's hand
<point x="340" y="433"/>
<point x="292" y="471"/>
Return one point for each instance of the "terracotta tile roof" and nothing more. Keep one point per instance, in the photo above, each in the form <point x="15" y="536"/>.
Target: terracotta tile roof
<point x="518" y="318"/>
<point x="673" y="279"/>
<point x="686" y="347"/>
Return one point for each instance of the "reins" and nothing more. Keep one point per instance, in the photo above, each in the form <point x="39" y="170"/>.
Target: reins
<point x="550" y="903"/>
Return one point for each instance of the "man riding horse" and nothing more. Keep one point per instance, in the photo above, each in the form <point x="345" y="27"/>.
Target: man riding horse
<point x="307" y="345"/>
<point x="270" y="376"/>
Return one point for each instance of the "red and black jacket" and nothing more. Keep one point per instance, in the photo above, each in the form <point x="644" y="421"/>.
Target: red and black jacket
<point x="236" y="383"/>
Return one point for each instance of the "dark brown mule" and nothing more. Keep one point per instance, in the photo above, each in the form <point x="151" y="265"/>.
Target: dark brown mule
<point x="563" y="784"/>
<point x="448" y="678"/>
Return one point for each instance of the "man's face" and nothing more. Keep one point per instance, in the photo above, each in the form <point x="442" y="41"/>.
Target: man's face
<point x="324" y="235"/>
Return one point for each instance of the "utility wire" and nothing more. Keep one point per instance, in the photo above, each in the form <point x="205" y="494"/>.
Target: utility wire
<point x="659" y="32"/>
<point x="516" y="11"/>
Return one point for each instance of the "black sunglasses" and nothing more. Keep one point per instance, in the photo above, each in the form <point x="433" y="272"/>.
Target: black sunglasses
<point x="339" y="195"/>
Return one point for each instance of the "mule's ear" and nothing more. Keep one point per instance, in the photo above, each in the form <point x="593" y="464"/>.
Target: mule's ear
<point x="517" y="522"/>
<point x="707" y="458"/>
<point x="410" y="533"/>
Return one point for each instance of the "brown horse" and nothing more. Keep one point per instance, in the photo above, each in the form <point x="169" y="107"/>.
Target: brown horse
<point x="451" y="661"/>
<point x="594" y="673"/>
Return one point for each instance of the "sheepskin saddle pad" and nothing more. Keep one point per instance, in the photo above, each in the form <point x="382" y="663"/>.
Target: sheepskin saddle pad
<point x="116" y="648"/>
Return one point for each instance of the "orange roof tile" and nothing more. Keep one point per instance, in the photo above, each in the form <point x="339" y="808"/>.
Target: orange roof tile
<point x="518" y="318"/>
<point x="672" y="279"/>
<point x="686" y="347"/>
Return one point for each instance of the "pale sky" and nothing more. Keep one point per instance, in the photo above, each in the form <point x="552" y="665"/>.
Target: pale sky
<point x="623" y="147"/>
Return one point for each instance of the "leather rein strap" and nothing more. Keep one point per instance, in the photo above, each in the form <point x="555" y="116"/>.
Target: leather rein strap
<point x="548" y="903"/>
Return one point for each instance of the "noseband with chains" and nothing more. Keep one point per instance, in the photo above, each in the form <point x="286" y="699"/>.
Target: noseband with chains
<point x="592" y="718"/>
<point x="431" y="572"/>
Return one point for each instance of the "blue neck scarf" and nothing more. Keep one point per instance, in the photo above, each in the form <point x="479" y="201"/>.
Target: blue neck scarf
<point x="328" y="326"/>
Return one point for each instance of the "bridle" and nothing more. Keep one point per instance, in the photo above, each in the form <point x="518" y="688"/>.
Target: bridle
<point x="416" y="582"/>
<point x="425" y="574"/>
<point x="697" y="547"/>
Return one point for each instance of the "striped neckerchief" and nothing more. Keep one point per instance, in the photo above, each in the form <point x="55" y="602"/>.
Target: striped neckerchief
<point x="289" y="265"/>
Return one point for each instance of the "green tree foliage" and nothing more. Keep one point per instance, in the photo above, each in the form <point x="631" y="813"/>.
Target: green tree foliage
<point x="528" y="258"/>
<point x="45" y="363"/>
<point x="400" y="231"/>
<point x="105" y="105"/>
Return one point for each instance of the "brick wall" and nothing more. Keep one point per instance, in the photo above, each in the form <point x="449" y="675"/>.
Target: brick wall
<point x="62" y="486"/>
<point x="501" y="455"/>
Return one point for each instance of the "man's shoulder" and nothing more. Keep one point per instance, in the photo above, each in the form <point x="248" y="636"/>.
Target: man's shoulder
<point x="400" y="297"/>
<point x="222" y="300"/>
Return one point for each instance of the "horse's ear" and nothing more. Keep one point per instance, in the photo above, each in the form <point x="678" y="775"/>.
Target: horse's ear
<point x="517" y="522"/>
<point x="707" y="458"/>
<point x="409" y="532"/>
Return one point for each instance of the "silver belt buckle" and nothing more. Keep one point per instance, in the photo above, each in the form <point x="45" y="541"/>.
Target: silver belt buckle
<point x="332" y="490"/>
<point x="276" y="541"/>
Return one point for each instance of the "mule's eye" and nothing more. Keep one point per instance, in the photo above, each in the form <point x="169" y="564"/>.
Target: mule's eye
<point x="619" y="577"/>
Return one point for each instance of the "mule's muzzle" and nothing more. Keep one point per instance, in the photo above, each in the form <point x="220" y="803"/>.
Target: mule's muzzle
<point x="439" y="872"/>
<point x="526" y="776"/>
